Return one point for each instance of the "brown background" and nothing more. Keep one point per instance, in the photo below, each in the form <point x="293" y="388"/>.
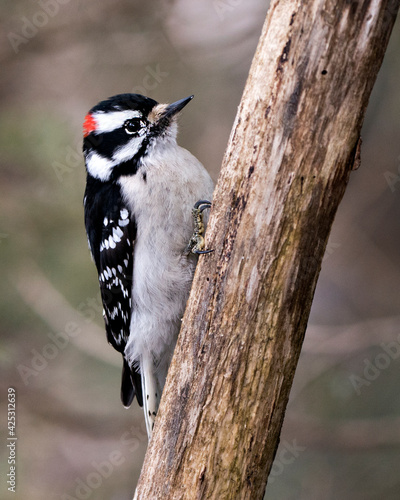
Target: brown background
<point x="341" y="437"/>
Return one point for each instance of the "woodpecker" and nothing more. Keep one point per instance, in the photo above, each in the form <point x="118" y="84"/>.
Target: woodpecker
<point x="143" y="205"/>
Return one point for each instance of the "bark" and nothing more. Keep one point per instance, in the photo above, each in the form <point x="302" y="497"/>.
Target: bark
<point x="293" y="145"/>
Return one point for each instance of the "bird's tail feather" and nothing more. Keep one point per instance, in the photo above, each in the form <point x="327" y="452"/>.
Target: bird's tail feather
<point x="151" y="393"/>
<point x="130" y="385"/>
<point x="127" y="388"/>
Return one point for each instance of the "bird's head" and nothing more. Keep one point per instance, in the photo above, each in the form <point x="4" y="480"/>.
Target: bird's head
<point x="121" y="131"/>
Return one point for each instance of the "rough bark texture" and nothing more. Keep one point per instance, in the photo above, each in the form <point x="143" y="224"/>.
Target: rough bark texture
<point x="293" y="145"/>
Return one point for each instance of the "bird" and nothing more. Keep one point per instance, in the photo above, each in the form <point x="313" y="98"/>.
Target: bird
<point x="143" y="210"/>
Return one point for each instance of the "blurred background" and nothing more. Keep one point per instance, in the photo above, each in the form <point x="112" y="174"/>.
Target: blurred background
<point x="341" y="436"/>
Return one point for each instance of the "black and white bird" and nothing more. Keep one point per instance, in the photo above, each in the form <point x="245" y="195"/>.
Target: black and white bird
<point x="140" y="191"/>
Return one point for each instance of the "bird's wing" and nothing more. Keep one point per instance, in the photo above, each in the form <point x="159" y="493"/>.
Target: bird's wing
<point x="111" y="236"/>
<point x="115" y="274"/>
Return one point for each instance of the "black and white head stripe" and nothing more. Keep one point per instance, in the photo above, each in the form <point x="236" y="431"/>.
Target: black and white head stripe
<point x="123" y="102"/>
<point x="104" y="168"/>
<point x="114" y="149"/>
<point x="112" y="113"/>
<point x="108" y="122"/>
<point x="114" y="132"/>
<point x="119" y="133"/>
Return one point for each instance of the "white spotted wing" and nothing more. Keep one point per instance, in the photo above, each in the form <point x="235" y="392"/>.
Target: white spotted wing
<point x="115" y="274"/>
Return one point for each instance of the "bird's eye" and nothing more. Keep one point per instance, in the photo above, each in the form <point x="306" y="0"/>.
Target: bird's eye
<point x="133" y="126"/>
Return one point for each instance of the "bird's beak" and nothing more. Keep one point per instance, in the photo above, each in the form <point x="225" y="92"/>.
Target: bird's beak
<point x="174" y="108"/>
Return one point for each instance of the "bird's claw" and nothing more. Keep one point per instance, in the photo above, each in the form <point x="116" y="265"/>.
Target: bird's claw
<point x="201" y="205"/>
<point x="196" y="243"/>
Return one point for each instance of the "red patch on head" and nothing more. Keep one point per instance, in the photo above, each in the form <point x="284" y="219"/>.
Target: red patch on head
<point x="89" y="125"/>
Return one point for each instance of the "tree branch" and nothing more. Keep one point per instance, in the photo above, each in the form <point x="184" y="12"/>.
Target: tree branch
<point x="293" y="145"/>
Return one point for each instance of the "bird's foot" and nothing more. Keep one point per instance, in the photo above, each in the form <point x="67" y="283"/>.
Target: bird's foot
<point x="196" y="243"/>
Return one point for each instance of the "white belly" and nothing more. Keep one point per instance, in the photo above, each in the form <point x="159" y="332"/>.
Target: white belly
<point x="162" y="274"/>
